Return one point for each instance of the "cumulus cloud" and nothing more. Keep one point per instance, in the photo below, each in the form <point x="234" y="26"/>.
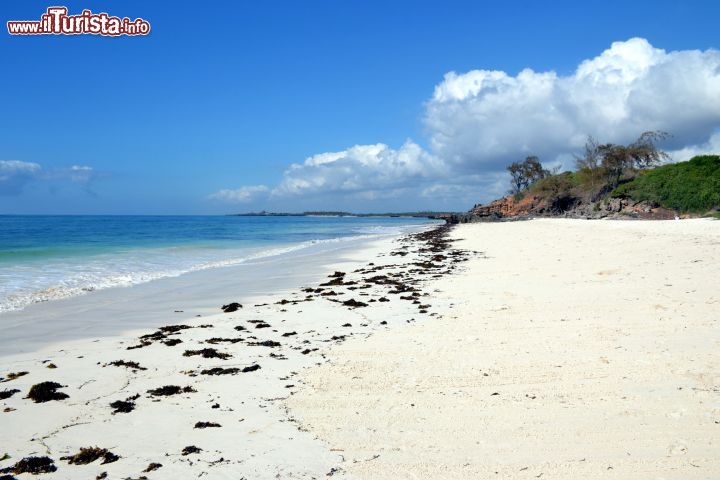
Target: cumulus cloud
<point x="484" y="119"/>
<point x="480" y="121"/>
<point x="365" y="169"/>
<point x="15" y="175"/>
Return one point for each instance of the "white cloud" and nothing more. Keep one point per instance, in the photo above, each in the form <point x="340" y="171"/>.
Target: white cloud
<point x="484" y="119"/>
<point x="15" y="174"/>
<point x="480" y="121"/>
<point x="362" y="169"/>
<point x="711" y="147"/>
<point x="240" y="195"/>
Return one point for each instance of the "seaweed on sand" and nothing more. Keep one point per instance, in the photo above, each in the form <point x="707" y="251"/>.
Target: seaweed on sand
<point x="128" y="364"/>
<point x="32" y="465"/>
<point x="170" y="390"/>
<point x="207" y="425"/>
<point x="207" y="353"/>
<point x="8" y="393"/>
<point x="13" y="376"/>
<point x="45" y="392"/>
<point x="124" y="406"/>
<point x="90" y="454"/>
<point x="220" y="371"/>
<point x="191" y="449"/>
<point x="152" y="467"/>
<point x="231" y="307"/>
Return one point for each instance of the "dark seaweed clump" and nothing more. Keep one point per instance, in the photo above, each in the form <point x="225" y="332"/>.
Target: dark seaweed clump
<point x="90" y="454"/>
<point x="8" y="393"/>
<point x="170" y="390"/>
<point x="191" y="449"/>
<point x="220" y="371"/>
<point x="32" y="465"/>
<point x="207" y="353"/>
<point x="152" y="467"/>
<point x="207" y="425"/>
<point x="266" y="343"/>
<point x="231" y="307"/>
<point x="45" y="392"/>
<point x="13" y="376"/>
<point x="128" y="364"/>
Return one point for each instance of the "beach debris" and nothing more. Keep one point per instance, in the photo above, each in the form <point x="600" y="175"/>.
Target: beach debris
<point x="352" y="303"/>
<point x="231" y="307"/>
<point x="216" y="340"/>
<point x="240" y="328"/>
<point x="306" y="351"/>
<point x="191" y="449"/>
<point x="13" y="376"/>
<point x="170" y="390"/>
<point x="220" y="371"/>
<point x="8" y="393"/>
<point x="207" y="353"/>
<point x="32" y="465"/>
<point x="124" y="406"/>
<point x="251" y="368"/>
<point x="347" y="325"/>
<point x="152" y="467"/>
<point x="90" y="454"/>
<point x="207" y="425"/>
<point x="50" y="366"/>
<point x="289" y="334"/>
<point x="262" y="325"/>
<point x="45" y="392"/>
<point x="127" y="364"/>
<point x="265" y="343"/>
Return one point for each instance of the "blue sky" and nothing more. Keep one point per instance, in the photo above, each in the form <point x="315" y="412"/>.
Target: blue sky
<point x="226" y="99"/>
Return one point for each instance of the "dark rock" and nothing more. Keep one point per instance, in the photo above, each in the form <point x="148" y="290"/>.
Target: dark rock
<point x="251" y="368"/>
<point x="220" y="371"/>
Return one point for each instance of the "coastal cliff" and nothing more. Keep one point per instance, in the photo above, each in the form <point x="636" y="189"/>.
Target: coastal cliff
<point x="684" y="189"/>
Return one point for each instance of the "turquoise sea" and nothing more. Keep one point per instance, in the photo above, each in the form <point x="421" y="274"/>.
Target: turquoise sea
<point x="51" y="257"/>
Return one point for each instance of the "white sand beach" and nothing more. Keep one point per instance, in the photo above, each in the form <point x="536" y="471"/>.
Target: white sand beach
<point x="552" y="349"/>
<point x="573" y="349"/>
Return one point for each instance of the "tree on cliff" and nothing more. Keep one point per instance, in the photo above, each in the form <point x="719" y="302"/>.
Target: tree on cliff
<point x="611" y="161"/>
<point x="524" y="174"/>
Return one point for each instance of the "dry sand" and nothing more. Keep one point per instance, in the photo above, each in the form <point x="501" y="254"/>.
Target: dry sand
<point x="574" y="349"/>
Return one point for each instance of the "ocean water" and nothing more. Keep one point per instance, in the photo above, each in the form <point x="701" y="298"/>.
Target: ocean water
<point x="44" y="258"/>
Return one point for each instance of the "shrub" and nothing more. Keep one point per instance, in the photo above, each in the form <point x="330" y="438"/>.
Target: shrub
<point x="692" y="186"/>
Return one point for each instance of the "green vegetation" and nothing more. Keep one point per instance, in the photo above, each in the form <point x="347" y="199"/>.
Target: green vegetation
<point x="692" y="186"/>
<point x="607" y="171"/>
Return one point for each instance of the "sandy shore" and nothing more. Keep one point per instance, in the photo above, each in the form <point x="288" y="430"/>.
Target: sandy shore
<point x="568" y="349"/>
<point x="203" y="395"/>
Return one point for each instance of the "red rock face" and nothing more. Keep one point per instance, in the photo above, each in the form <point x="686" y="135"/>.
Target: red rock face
<point x="509" y="207"/>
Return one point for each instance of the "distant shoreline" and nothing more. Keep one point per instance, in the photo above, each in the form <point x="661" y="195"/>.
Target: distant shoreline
<point x="344" y="214"/>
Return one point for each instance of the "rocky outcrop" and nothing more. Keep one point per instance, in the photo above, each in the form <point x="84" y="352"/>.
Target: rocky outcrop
<point x="529" y="206"/>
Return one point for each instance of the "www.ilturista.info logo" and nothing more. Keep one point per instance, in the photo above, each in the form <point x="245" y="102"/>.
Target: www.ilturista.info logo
<point x="56" y="21"/>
